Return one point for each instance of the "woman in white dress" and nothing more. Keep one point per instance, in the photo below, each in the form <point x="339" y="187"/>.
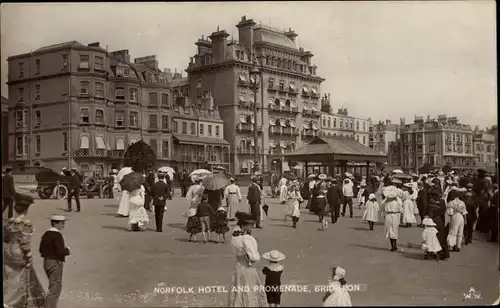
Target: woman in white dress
<point x="138" y="218"/>
<point x="246" y="288"/>
<point x="408" y="206"/>
<point x="371" y="211"/>
<point x="392" y="208"/>
<point x="337" y="295"/>
<point x="293" y="200"/>
<point x="457" y="210"/>
<point x="232" y="194"/>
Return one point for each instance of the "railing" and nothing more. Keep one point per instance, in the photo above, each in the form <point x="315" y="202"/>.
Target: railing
<point x="248" y="127"/>
<point x="245" y="150"/>
<point x="272" y="88"/>
<point x="314" y="95"/>
<point x="305" y="94"/>
<point x="115" y="153"/>
<point x="90" y="153"/>
<point x="243" y="83"/>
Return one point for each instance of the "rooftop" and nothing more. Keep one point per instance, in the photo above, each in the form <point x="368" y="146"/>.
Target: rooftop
<point x="270" y="35"/>
<point x="61" y="45"/>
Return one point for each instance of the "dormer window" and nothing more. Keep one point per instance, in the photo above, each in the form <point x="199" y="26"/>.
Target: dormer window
<point x="126" y="72"/>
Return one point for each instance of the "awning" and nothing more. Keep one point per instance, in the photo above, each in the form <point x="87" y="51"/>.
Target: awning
<point x="242" y="98"/>
<point x="243" y="77"/>
<point x="100" y="143"/>
<point x="292" y="104"/>
<point x="271" y="101"/>
<point x="272" y="122"/>
<point x="283" y="144"/>
<point x="107" y="146"/>
<point x="186" y="139"/>
<point x="272" y="144"/>
<point x="305" y="89"/>
<point x="120" y="144"/>
<point x="282" y="103"/>
<point x="314" y="109"/>
<point x="292" y="123"/>
<point x="285" y="166"/>
<point x="315" y="127"/>
<point x="251" y="98"/>
<point x="305" y="126"/>
<point x="292" y="86"/>
<point x="84" y="142"/>
<point x="283" y="123"/>
<point x="252" y="142"/>
<point x="313" y="90"/>
<point x="252" y="120"/>
<point x="132" y="141"/>
<point x="243" y="119"/>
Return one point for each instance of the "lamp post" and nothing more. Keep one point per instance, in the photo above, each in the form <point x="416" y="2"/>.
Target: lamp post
<point x="254" y="84"/>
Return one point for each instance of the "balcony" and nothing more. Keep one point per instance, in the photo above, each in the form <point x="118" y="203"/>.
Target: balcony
<point x="306" y="93"/>
<point x="307" y="111"/>
<point x="90" y="153"/>
<point x="246" y="151"/>
<point x="314" y="94"/>
<point x="115" y="153"/>
<point x="309" y="133"/>
<point x="271" y="87"/>
<point x="292" y="91"/>
<point x="243" y="83"/>
<point x="248" y="127"/>
<point x="190" y="158"/>
<point x="282" y="89"/>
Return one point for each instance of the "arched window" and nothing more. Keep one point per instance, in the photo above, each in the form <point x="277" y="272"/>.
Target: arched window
<point x="243" y="144"/>
<point x="288" y="102"/>
<point x="364" y="126"/>
<point x="277" y="102"/>
<point x="334" y="122"/>
<point x="357" y="125"/>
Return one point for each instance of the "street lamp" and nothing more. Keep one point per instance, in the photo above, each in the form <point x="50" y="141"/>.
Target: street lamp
<point x="254" y="85"/>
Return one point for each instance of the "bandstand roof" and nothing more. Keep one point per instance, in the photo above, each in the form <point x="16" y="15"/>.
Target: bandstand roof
<point x="335" y="148"/>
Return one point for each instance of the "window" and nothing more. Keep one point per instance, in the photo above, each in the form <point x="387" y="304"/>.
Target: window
<point x="176" y="127"/>
<point x="364" y="126"/>
<point x="65" y="142"/>
<point x="21" y="69"/>
<point x="38" y="118"/>
<point x="37" y="63"/>
<point x="21" y="94"/>
<point x="164" y="149"/>
<point x="99" y="89"/>
<point x="282" y="86"/>
<point x="84" y="88"/>
<point x="164" y="122"/>
<point x="271" y="84"/>
<point x="84" y="115"/>
<point x="341" y="123"/>
<point x="22" y="118"/>
<point x="153" y="99"/>
<point x="209" y="130"/>
<point x="184" y="127"/>
<point x="357" y="125"/>
<point x="126" y="72"/>
<point x="164" y="99"/>
<point x="154" y="146"/>
<point x="193" y="129"/>
<point x="217" y="131"/>
<point x="38" y="144"/>
<point x="334" y="122"/>
<point x="364" y="139"/>
<point x="120" y="93"/>
<point x="324" y="122"/>
<point x="120" y="118"/>
<point x="84" y="61"/>
<point x="132" y="121"/>
<point x="65" y="61"/>
<point x="201" y="129"/>
<point x="99" y="63"/>
<point x="132" y="95"/>
<point x="21" y="145"/>
<point x="99" y="116"/>
<point x="153" y="121"/>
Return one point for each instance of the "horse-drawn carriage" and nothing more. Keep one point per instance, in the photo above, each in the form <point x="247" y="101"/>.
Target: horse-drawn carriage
<point x="51" y="183"/>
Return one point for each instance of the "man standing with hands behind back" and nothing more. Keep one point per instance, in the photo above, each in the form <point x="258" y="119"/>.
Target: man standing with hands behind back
<point x="254" y="199"/>
<point x="8" y="192"/>
<point x="160" y="192"/>
<point x="74" y="189"/>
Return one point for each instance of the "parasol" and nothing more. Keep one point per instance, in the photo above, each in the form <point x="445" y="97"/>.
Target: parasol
<point x="200" y="173"/>
<point x="215" y="182"/>
<point x="123" y="171"/>
<point x="397" y="171"/>
<point x="168" y="170"/>
<point x="402" y="176"/>
<point x="265" y="207"/>
<point x="132" y="181"/>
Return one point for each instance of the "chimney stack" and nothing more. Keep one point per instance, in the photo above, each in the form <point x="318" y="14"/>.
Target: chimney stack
<point x="121" y="55"/>
<point x="149" y="61"/>
<point x="291" y="34"/>
<point x="219" y="43"/>
<point x="96" y="44"/>
<point x="245" y="32"/>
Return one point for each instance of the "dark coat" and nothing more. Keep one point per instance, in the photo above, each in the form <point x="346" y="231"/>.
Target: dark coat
<point x="253" y="196"/>
<point x="160" y="193"/>
<point x="74" y="183"/>
<point x="8" y="189"/>
<point x="333" y="195"/>
<point x="442" y="234"/>
<point x="422" y="200"/>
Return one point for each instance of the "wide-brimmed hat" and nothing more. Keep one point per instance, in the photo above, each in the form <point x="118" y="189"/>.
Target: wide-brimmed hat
<point x="58" y="218"/>
<point x="322" y="176"/>
<point x="232" y="180"/>
<point x="311" y="176"/>
<point x="274" y="256"/>
<point x="338" y="273"/>
<point x="372" y="196"/>
<point x="481" y="170"/>
<point x="191" y="213"/>
<point x="347" y="174"/>
<point x="428" y="222"/>
<point x="396" y="181"/>
<point x="329" y="179"/>
<point x="23" y="200"/>
<point x="221" y="208"/>
<point x="409" y="185"/>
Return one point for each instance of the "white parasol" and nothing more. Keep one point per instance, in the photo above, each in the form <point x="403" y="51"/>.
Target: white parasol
<point x="200" y="173"/>
<point x="123" y="172"/>
<point x="397" y="171"/>
<point x="167" y="170"/>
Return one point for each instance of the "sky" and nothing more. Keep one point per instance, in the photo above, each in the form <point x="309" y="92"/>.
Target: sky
<point x="381" y="60"/>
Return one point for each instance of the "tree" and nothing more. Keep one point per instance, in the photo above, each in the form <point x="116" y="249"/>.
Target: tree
<point x="139" y="156"/>
<point x="426" y="168"/>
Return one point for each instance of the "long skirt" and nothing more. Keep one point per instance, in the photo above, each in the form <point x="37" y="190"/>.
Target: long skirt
<point x="456" y="232"/>
<point x="246" y="288"/>
<point x="409" y="212"/>
<point x="233" y="205"/>
<point x="124" y="207"/>
<point x="392" y="226"/>
<point x="138" y="216"/>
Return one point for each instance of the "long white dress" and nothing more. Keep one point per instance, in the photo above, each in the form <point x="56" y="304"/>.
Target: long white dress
<point x="246" y="288"/>
<point x="232" y="194"/>
<point x="371" y="211"/>
<point x="392" y="208"/>
<point x="138" y="214"/>
<point x="457" y="223"/>
<point x="124" y="207"/>
<point x="430" y="242"/>
<point x="293" y="199"/>
<point x="339" y="296"/>
<point x="283" y="192"/>
<point x="408" y="210"/>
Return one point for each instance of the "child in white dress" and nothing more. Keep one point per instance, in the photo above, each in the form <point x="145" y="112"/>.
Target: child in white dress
<point x="371" y="211"/>
<point x="430" y="242"/>
<point x="408" y="206"/>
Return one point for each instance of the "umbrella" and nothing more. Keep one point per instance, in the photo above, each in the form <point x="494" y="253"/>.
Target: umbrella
<point x="167" y="170"/>
<point x="200" y="173"/>
<point x="397" y="171"/>
<point x="403" y="176"/>
<point x="132" y="181"/>
<point x="124" y="171"/>
<point x="265" y="207"/>
<point x="215" y="182"/>
<point x="220" y="168"/>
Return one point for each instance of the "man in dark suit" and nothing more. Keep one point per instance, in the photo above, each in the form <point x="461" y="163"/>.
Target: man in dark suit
<point x="74" y="189"/>
<point x="150" y="181"/>
<point x="184" y="181"/>
<point x="334" y="197"/>
<point x="422" y="199"/>
<point x="8" y="192"/>
<point x="254" y="199"/>
<point x="160" y="193"/>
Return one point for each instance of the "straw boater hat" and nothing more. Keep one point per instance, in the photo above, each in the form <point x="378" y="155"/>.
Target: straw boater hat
<point x="274" y="256"/>
<point x="322" y="176"/>
<point x="311" y="176"/>
<point x="428" y="222"/>
<point x="347" y="174"/>
<point x="58" y="218"/>
<point x="408" y="185"/>
<point x="372" y="197"/>
<point x="221" y="208"/>
<point x="396" y="181"/>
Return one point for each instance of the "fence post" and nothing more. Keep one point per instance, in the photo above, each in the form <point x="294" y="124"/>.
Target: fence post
<point x="57" y="191"/>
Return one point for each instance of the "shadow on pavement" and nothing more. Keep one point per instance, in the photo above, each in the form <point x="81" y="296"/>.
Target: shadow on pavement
<point x="372" y="247"/>
<point x="115" y="228"/>
<point x="113" y="206"/>
<point x="360" y="229"/>
<point x="281" y="225"/>
<point x="177" y="225"/>
<point x="110" y="214"/>
<point x="186" y="240"/>
<point x="413" y="255"/>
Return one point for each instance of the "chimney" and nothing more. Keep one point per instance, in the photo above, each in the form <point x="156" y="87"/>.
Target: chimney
<point x="245" y="32"/>
<point x="96" y="44"/>
<point x="122" y="55"/>
<point x="149" y="61"/>
<point x="219" y="43"/>
<point x="291" y="34"/>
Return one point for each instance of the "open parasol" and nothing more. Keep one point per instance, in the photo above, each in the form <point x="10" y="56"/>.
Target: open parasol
<point x="132" y="181"/>
<point x="200" y="173"/>
<point x="397" y="171"/>
<point x="215" y="182"/>
<point x="402" y="176"/>
<point x="123" y="171"/>
<point x="168" y="170"/>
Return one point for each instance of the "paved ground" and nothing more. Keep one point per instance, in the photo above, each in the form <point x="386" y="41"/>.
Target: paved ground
<point x="112" y="267"/>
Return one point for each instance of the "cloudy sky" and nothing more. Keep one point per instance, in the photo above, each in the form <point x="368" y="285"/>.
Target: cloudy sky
<point x="383" y="60"/>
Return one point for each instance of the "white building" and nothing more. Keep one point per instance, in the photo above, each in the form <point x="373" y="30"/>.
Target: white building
<point x="341" y="124"/>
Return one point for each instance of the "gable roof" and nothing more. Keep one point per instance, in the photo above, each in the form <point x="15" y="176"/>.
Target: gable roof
<point x="324" y="149"/>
